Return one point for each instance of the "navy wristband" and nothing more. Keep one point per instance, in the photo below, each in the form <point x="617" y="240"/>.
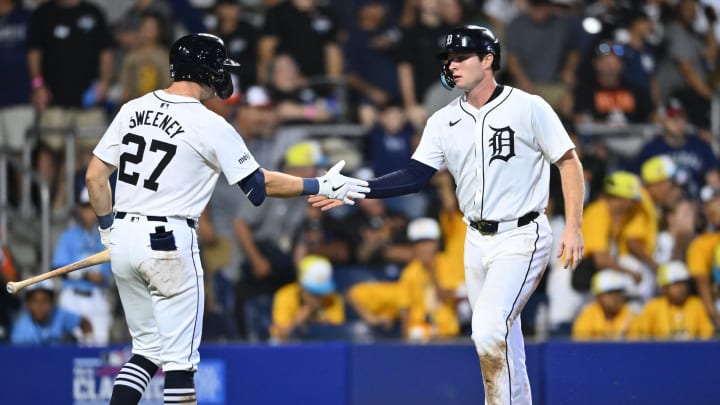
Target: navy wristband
<point x="310" y="186"/>
<point x="106" y="221"/>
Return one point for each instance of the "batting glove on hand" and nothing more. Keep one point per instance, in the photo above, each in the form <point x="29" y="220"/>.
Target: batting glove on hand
<point x="336" y="186"/>
<point x="105" y="236"/>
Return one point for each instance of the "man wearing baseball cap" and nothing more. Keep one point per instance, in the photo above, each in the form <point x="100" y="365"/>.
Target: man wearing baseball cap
<point x="608" y="317"/>
<point x="43" y="323"/>
<point x="313" y="299"/>
<point x="676" y="314"/>
<point x="608" y="223"/>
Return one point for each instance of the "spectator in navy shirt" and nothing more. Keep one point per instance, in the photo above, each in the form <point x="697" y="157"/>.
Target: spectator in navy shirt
<point x="390" y="145"/>
<point x="370" y="63"/>
<point x="689" y="152"/>
<point x="15" y="111"/>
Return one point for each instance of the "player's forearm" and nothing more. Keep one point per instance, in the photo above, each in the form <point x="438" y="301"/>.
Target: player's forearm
<point x="98" y="186"/>
<point x="282" y="185"/>
<point x="573" y="187"/>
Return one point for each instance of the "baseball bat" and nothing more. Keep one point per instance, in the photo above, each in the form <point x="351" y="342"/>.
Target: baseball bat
<point x="101" y="257"/>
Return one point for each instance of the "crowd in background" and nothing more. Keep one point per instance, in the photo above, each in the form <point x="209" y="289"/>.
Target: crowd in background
<point x="382" y="268"/>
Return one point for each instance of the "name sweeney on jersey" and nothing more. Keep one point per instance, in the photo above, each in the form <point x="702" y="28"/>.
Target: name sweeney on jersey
<point x="157" y="119"/>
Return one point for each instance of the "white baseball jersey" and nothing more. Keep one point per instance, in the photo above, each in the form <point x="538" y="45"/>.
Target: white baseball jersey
<point x="169" y="151"/>
<point x="499" y="154"/>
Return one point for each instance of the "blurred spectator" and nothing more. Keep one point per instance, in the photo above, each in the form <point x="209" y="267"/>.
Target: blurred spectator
<point x="604" y="98"/>
<point x="312" y="299"/>
<point x="418" y="67"/>
<point x="296" y="101"/>
<point x="84" y="291"/>
<point x="379" y="242"/>
<point x="501" y="12"/>
<point x="370" y="65"/>
<point x="8" y="303"/>
<point x="683" y="72"/>
<point x="306" y="31"/>
<point x="608" y="223"/>
<point x="453" y="230"/>
<point x="220" y="263"/>
<point x="639" y="56"/>
<point x="265" y="237"/>
<point x="377" y="304"/>
<point x="42" y="323"/>
<point x="429" y="286"/>
<point x="661" y="178"/>
<point x="676" y="315"/>
<point x="389" y="145"/>
<point x="539" y="56"/>
<point x="145" y="68"/>
<point x="690" y="153"/>
<point x="322" y="235"/>
<point x="681" y="223"/>
<point x="16" y="114"/>
<point x="703" y="255"/>
<point x="257" y="121"/>
<point x="71" y="65"/>
<point x="240" y="39"/>
<point x="608" y="317"/>
<point x="127" y="30"/>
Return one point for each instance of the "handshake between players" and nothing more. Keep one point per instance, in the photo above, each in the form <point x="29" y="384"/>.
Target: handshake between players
<point x="340" y="189"/>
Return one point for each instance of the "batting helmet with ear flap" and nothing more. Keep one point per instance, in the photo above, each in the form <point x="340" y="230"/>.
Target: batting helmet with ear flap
<point x="202" y="58"/>
<point x="469" y="38"/>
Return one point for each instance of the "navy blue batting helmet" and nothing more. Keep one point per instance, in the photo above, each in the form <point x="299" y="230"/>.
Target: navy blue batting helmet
<point x="472" y="38"/>
<point x="202" y="58"/>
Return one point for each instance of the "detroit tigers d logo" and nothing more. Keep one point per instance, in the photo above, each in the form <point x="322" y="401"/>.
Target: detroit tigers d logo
<point x="502" y="143"/>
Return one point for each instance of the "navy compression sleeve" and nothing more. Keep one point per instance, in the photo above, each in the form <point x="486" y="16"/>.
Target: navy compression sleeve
<point x="400" y="182"/>
<point x="254" y="187"/>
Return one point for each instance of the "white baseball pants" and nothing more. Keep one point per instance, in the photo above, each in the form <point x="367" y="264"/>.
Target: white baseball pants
<point x="501" y="273"/>
<point x="161" y="291"/>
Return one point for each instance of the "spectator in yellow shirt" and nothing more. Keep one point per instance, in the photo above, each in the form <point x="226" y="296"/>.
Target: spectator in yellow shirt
<point x="659" y="175"/>
<point x="676" y="315"/>
<point x="702" y="255"/>
<point x="608" y="317"/>
<point x="378" y="305"/>
<point x="312" y="299"/>
<point x="608" y="224"/>
<point x="429" y="285"/>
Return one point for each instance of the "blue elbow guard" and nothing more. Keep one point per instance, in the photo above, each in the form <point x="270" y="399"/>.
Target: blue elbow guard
<point x="254" y="187"/>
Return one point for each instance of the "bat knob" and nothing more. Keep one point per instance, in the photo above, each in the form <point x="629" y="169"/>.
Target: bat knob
<point x="10" y="287"/>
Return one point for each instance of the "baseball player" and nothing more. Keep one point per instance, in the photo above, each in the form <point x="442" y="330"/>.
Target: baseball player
<point x="169" y="150"/>
<point x="497" y="142"/>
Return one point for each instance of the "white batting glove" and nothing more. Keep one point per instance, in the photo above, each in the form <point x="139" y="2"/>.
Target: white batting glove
<point x="336" y="186"/>
<point x="105" y="236"/>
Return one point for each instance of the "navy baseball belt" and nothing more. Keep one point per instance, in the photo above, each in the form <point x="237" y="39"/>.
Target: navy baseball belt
<point x="153" y="218"/>
<point x="493" y="227"/>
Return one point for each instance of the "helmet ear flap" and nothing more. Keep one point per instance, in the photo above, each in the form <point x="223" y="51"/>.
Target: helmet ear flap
<point x="224" y="88"/>
<point x="446" y="77"/>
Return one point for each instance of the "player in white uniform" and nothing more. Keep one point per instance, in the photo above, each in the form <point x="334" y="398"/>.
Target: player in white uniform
<point x="169" y="151"/>
<point x="498" y="143"/>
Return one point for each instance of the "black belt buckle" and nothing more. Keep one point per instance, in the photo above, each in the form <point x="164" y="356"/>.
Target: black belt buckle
<point x="486" y="227"/>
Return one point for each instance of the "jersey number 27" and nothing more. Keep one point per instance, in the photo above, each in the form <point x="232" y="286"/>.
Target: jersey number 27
<point x="132" y="178"/>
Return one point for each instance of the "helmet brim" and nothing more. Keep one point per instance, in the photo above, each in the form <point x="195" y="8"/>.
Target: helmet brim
<point x="231" y="64"/>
